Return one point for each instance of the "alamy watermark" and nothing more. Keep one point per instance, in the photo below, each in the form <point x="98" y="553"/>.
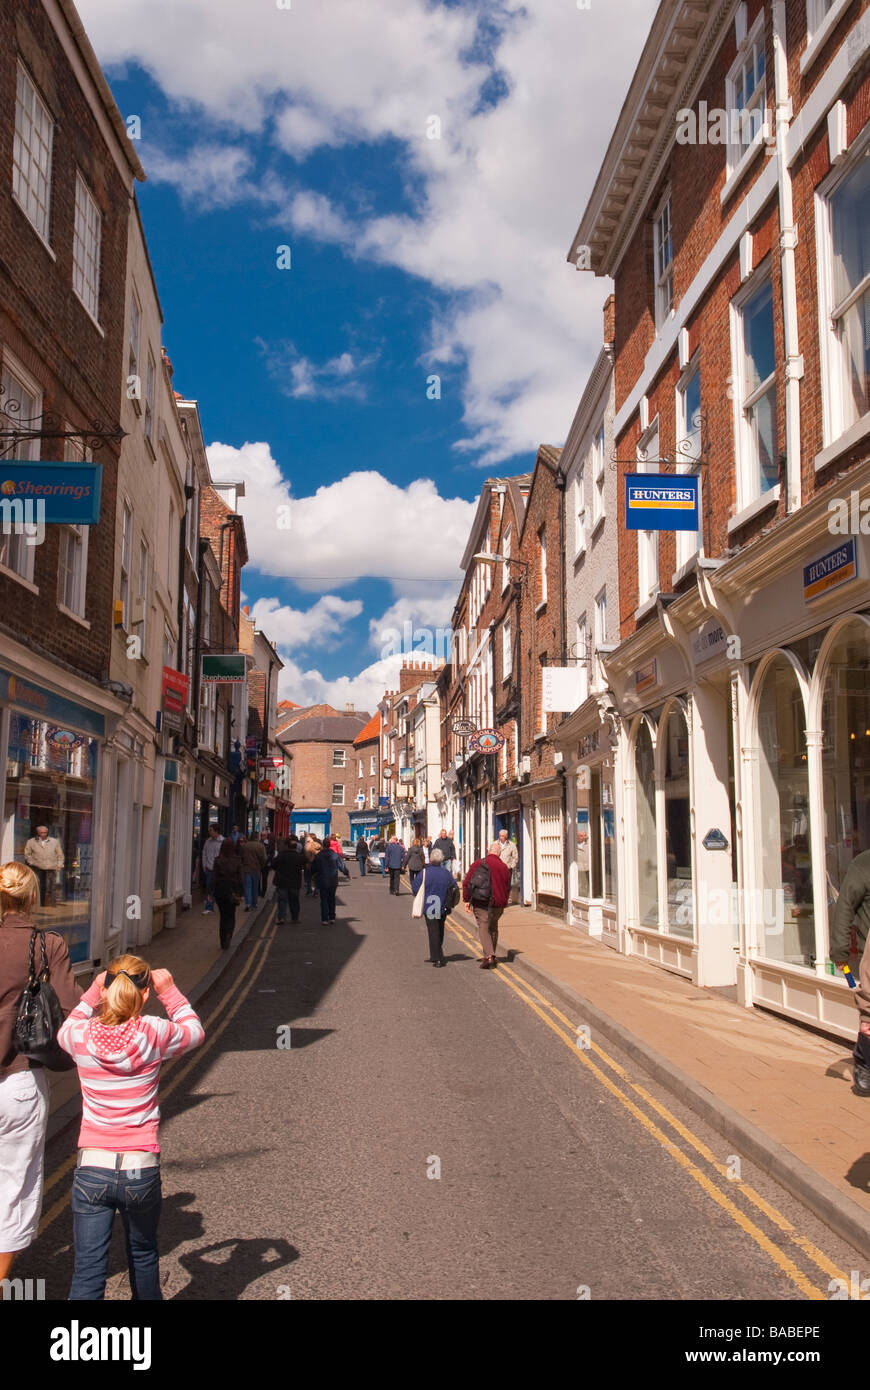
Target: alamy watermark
<point x="25" y="517"/>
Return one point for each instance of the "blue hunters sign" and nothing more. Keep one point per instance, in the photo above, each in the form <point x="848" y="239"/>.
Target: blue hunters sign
<point x="656" y="502"/>
<point x="831" y="570"/>
<point x="65" y="493"/>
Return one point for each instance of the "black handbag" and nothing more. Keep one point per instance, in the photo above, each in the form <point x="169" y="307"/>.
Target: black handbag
<point x="39" y="1016"/>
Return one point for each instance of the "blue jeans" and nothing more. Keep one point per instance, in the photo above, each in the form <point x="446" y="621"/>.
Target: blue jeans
<point x="362" y="866"/>
<point x="252" y="884"/>
<point x="97" y="1193"/>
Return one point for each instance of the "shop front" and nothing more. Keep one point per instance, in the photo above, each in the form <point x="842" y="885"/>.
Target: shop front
<point x="543" y="833"/>
<point x="52" y="749"/>
<point x="508" y="816"/>
<point x="588" y="749"/>
<point x="311" y="820"/>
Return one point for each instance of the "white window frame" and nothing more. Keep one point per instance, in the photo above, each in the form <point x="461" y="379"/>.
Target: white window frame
<point x="600" y="614"/>
<point x="134" y="332"/>
<point x="579" y="512"/>
<point x="341" y="755"/>
<point x="150" y="383"/>
<point x="205" y="634"/>
<point x="747" y="461"/>
<point x="819" y="27"/>
<point x="76" y="537"/>
<point x="599" y="476"/>
<point x="542" y="564"/>
<point x="169" y="646"/>
<point x="834" y="374"/>
<point x="507" y="656"/>
<point x="582" y="650"/>
<point x="688" y="543"/>
<point x="86" y="249"/>
<point x="663" y="270"/>
<point x="648" y="583"/>
<point x="506" y="552"/>
<point x="126" y="564"/>
<point x="36" y="200"/>
<point x="338" y="801"/>
<point x="19" y="558"/>
<point x="143" y="585"/>
<point x="373" y="765"/>
<point x="740" y="152"/>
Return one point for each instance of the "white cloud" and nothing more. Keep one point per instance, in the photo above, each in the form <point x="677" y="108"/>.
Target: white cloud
<point x="361" y="526"/>
<point x="292" y="628"/>
<point x="339" y="378"/>
<point x="497" y="198"/>
<point x="363" y="691"/>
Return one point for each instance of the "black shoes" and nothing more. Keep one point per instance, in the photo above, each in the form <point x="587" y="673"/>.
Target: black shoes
<point x="439" y="964"/>
<point x="861" y="1078"/>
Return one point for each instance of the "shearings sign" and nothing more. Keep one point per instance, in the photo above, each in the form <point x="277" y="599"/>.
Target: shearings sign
<point x="57" y="493"/>
<point x="655" y="502"/>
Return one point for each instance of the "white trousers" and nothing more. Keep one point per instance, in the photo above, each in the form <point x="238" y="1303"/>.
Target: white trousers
<point x="23" y="1122"/>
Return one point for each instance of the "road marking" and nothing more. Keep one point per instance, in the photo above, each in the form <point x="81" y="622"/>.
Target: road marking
<point x="746" y="1224"/>
<point x="262" y="942"/>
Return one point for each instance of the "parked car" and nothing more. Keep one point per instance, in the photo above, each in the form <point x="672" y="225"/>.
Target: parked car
<point x="348" y="849"/>
<point x="374" y="863"/>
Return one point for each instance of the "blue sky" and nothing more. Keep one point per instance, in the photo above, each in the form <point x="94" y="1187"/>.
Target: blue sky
<point x="311" y="127"/>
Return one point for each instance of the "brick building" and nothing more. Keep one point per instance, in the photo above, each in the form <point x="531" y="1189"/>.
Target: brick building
<point x="324" y="776"/>
<point x="65" y="198"/>
<point x="731" y="210"/>
<point x="369" y="818"/>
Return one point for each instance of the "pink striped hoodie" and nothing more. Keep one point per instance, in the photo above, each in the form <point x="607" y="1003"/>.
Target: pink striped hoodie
<point x="119" y="1068"/>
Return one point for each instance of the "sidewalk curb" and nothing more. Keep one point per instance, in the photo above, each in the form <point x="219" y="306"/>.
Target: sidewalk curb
<point x="843" y="1216"/>
<point x="70" y="1112"/>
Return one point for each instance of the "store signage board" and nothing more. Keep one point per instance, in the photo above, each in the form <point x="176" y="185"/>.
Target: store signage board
<point x="714" y="839"/>
<point x="406" y="774"/>
<point x="837" y="567"/>
<point x="272" y="763"/>
<point x="709" y="641"/>
<point x="43" y="704"/>
<point x="561" y="689"/>
<point x="175" y="688"/>
<point x="230" y="669"/>
<point x="645" y="677"/>
<point x="486" y="741"/>
<point x="56" y="493"/>
<point x="655" y="502"/>
<point x="463" y="728"/>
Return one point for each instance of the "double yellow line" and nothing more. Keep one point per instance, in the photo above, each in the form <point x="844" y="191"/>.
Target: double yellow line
<point x="553" y="1018"/>
<point x="252" y="967"/>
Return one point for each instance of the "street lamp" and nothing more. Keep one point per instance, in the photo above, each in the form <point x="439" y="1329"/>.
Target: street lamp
<point x="499" y="559"/>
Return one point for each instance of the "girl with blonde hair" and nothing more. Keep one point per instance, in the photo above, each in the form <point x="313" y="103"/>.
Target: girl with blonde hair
<point x="119" y="1051"/>
<point x="23" y="1084"/>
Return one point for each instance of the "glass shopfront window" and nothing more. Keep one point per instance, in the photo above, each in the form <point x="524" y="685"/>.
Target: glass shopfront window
<point x="783" y="831"/>
<point x="678" y="838"/>
<point x="645" y="823"/>
<point x="846" y="753"/>
<point x="50" y="782"/>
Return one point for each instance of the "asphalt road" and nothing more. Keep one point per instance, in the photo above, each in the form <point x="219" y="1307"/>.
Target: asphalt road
<point x="431" y="1134"/>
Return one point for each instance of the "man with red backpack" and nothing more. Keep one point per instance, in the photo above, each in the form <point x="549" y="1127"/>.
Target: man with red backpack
<point x="485" y="892"/>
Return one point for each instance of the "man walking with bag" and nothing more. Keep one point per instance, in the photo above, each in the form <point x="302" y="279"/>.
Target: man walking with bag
<point x="485" y="892"/>
<point x="394" y="858"/>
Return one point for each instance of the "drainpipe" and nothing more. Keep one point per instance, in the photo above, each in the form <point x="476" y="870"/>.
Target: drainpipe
<point x="794" y="362"/>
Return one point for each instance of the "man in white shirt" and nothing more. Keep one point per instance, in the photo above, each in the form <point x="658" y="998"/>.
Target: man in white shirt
<point x="210" y="851"/>
<point x="508" y="852"/>
<point x="44" y="856"/>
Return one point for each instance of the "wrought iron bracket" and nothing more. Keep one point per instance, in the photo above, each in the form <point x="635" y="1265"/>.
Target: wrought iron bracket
<point x="692" y="452"/>
<point x="15" y="431"/>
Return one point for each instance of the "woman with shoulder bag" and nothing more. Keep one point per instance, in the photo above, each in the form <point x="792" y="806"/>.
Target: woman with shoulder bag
<point x="119" y="1053"/>
<point x="23" y="1084"/>
<point x="228" y="888"/>
<point x="437" y="893"/>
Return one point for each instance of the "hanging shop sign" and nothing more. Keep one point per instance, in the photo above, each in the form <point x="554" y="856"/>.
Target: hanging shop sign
<point x="463" y="727"/>
<point x="561" y="689"/>
<point x="229" y="669"/>
<point x="406" y="774"/>
<point x="486" y="741"/>
<point x="64" y="738"/>
<point x="655" y="502"/>
<point x="174" y="690"/>
<point x="831" y="570"/>
<point x="645" y="677"/>
<point x="271" y="763"/>
<point x="56" y="493"/>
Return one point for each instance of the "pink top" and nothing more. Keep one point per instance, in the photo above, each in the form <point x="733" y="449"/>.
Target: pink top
<point x="119" y="1068"/>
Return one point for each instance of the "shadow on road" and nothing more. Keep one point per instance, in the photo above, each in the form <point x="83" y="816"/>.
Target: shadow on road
<point x="225" y="1269"/>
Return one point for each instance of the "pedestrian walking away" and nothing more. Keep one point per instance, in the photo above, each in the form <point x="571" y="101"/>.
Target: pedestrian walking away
<point x="853" y="908"/>
<point x="312" y="847"/>
<point x="445" y="846"/>
<point x="325" y="870"/>
<point x="119" y="1052"/>
<point x="485" y="891"/>
<point x="394" y="858"/>
<point x="414" y="860"/>
<point x="228" y="888"/>
<point x="253" y="863"/>
<point x="440" y="893"/>
<point x="288" y="865"/>
<point x="362" y="855"/>
<point x="43" y="854"/>
<point x="210" y="851"/>
<point x="23" y="1085"/>
<point x="267" y="840"/>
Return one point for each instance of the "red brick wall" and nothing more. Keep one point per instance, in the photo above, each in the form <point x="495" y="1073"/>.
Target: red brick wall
<point x="540" y="640"/>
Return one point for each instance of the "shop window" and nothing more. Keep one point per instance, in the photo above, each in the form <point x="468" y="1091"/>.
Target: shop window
<point x="678" y="837"/>
<point x="645" y="828"/>
<point x="846" y="752"/>
<point x="50" y="781"/>
<point x="787" y="928"/>
<point x="583" y="849"/>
